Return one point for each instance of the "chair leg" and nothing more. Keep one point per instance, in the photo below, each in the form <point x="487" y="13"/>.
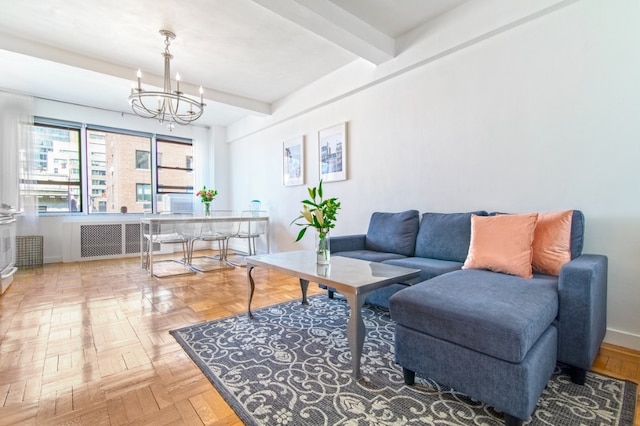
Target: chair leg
<point x="146" y="260"/>
<point x="185" y="248"/>
<point x="221" y="254"/>
<point x="190" y="244"/>
<point x="225" y="249"/>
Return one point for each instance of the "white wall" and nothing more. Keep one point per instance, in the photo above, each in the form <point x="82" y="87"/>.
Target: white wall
<point x="540" y="114"/>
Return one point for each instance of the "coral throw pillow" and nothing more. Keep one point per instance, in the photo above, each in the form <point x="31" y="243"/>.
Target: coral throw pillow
<point x="552" y="242"/>
<point x="502" y="243"/>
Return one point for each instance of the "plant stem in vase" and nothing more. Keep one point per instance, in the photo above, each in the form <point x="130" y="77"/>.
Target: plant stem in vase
<point x="207" y="209"/>
<point x="323" y="252"/>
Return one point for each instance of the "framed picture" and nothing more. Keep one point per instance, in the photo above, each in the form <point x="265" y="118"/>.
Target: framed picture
<point x="332" y="152"/>
<point x="293" y="161"/>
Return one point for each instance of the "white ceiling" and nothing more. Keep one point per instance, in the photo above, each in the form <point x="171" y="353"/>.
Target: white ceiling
<point x="246" y="54"/>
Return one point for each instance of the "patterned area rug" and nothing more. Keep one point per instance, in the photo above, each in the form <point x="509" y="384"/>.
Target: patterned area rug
<point x="291" y="366"/>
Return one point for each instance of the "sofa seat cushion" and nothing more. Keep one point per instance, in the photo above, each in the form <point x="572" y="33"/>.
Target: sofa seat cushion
<point x="496" y="314"/>
<point x="369" y="255"/>
<point x="429" y="268"/>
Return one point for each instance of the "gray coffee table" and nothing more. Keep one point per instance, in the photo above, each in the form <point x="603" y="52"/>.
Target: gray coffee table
<point x="352" y="278"/>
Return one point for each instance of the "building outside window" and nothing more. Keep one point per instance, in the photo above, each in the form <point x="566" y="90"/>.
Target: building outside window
<point x="174" y="171"/>
<point x="55" y="186"/>
<point x="119" y="162"/>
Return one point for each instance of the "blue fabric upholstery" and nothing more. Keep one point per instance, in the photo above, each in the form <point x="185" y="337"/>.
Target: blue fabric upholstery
<point x="577" y="233"/>
<point x="347" y="243"/>
<point x="369" y="255"/>
<point x="381" y="296"/>
<point x="354" y="246"/>
<point x="445" y="236"/>
<point x="496" y="314"/>
<point x="512" y="388"/>
<point x="582" y="320"/>
<point x="429" y="268"/>
<point x="393" y="232"/>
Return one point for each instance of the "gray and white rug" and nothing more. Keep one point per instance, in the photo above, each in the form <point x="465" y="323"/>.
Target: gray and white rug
<point x="291" y="366"/>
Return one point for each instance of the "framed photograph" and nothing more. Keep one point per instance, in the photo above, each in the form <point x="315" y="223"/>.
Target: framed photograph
<point x="332" y="152"/>
<point x="293" y="161"/>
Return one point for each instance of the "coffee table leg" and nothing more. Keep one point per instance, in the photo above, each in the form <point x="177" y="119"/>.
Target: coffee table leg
<point x="304" y="284"/>
<point x="252" y="287"/>
<point x="355" y="332"/>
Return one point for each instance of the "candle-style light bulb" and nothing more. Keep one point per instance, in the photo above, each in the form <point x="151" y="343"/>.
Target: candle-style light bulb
<point x="178" y="83"/>
<point x="139" y="75"/>
<point x="201" y="93"/>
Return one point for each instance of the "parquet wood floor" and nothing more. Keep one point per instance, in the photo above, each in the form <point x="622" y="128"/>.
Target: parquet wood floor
<point x="88" y="343"/>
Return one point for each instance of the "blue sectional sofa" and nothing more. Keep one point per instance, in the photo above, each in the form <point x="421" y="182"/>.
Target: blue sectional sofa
<point x="493" y="336"/>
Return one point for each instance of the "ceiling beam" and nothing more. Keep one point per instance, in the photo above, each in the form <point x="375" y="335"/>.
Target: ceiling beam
<point x="335" y="24"/>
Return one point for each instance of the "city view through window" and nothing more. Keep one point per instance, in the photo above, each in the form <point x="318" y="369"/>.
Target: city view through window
<point x="119" y="170"/>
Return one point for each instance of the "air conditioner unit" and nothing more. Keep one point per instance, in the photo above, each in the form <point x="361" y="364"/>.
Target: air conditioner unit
<point x="177" y="203"/>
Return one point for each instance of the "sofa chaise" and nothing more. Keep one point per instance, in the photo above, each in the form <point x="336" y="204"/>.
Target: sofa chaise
<point x="474" y="321"/>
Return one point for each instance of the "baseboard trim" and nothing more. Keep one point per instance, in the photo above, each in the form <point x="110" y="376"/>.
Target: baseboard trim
<point x="622" y="338"/>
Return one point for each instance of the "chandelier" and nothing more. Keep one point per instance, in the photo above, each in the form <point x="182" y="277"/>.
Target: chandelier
<point x="168" y="105"/>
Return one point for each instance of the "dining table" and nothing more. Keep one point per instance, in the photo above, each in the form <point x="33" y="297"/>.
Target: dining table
<point x="182" y="225"/>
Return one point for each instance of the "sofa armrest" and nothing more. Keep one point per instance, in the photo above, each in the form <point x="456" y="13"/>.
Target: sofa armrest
<point x="582" y="316"/>
<point x="347" y="243"/>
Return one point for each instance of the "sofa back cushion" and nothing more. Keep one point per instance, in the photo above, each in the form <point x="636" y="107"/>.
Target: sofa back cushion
<point x="577" y="233"/>
<point x="393" y="232"/>
<point x="445" y="236"/>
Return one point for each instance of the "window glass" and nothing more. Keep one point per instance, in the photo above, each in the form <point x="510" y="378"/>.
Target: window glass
<point x="55" y="173"/>
<point x="143" y="159"/>
<point x="143" y="192"/>
<point x="117" y="164"/>
<point x="175" y="173"/>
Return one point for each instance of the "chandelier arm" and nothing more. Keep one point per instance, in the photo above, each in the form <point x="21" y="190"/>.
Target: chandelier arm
<point x="140" y="102"/>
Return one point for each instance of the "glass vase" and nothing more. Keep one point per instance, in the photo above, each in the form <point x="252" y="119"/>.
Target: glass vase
<point x="207" y="209"/>
<point x="323" y="252"/>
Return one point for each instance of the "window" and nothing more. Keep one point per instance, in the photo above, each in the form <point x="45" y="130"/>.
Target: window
<point x="143" y="159"/>
<point x="55" y="186"/>
<point x="175" y="175"/>
<point x="143" y="192"/>
<point x="117" y="167"/>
